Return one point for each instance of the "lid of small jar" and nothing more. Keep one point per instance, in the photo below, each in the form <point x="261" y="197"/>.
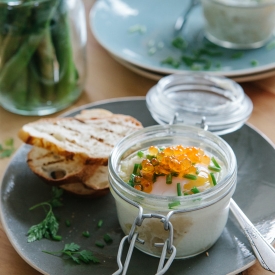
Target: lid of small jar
<point x="214" y="103"/>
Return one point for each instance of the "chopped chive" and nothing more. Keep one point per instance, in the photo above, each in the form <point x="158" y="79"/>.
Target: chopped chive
<point x="195" y="190"/>
<point x="132" y="180"/>
<point x="214" y="168"/>
<point x="213" y="179"/>
<point x="99" y="244"/>
<point x="140" y="154"/>
<point x="100" y="222"/>
<point x="179" y="189"/>
<point x="185" y="194"/>
<point x="254" y="62"/>
<point x="107" y="238"/>
<point x="190" y="176"/>
<point x="174" y="174"/>
<point x="57" y="238"/>
<point x="197" y="171"/>
<point x="135" y="170"/>
<point x="215" y="162"/>
<point x="68" y="223"/>
<point x="86" y="234"/>
<point x="150" y="157"/>
<point x="173" y="204"/>
<point x="169" y="179"/>
<point x="237" y="55"/>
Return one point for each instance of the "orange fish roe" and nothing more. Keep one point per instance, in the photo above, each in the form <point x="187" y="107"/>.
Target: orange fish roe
<point x="173" y="161"/>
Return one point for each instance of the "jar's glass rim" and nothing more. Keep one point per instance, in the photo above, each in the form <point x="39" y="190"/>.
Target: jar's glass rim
<point x="116" y="156"/>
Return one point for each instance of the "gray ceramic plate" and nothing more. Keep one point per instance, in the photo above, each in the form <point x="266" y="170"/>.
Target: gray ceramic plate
<point x="231" y="254"/>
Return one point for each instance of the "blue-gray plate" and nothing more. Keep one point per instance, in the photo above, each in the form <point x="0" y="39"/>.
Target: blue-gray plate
<point x="141" y="32"/>
<point x="231" y="254"/>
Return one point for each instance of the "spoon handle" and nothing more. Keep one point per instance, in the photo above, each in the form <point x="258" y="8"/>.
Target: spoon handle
<point x="264" y="252"/>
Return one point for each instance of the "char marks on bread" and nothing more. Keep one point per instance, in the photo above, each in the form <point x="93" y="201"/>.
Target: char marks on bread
<point x="91" y="138"/>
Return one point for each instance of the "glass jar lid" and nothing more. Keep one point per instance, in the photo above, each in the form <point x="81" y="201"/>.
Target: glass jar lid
<point x="215" y="103"/>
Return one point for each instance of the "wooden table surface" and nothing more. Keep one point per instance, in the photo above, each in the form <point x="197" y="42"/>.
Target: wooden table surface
<point x="108" y="79"/>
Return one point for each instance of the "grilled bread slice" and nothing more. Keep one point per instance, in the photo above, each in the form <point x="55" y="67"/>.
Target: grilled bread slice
<point x="91" y="137"/>
<point x="56" y="169"/>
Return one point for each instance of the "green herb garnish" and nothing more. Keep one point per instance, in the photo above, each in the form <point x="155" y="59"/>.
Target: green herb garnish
<point x="195" y="190"/>
<point x="215" y="162"/>
<point x="254" y="63"/>
<point x="214" y="168"/>
<point x="271" y="45"/>
<point x="99" y="244"/>
<point x="132" y="180"/>
<point x="136" y="167"/>
<point x="140" y="154"/>
<point x="55" y="201"/>
<point x="237" y="55"/>
<point x="169" y="179"/>
<point x="107" y="238"/>
<point x="179" y="43"/>
<point x="179" y="189"/>
<point x="214" y="182"/>
<point x="45" y="229"/>
<point x="68" y="223"/>
<point x="72" y="252"/>
<point x="7" y="149"/>
<point x="190" y="176"/>
<point x="171" y="61"/>
<point x="86" y="234"/>
<point x="173" y="204"/>
<point x="100" y="222"/>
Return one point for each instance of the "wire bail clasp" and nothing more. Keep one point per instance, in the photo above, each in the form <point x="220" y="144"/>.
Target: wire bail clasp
<point x="133" y="237"/>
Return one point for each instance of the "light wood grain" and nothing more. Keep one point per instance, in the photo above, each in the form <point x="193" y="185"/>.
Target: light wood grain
<point x="108" y="79"/>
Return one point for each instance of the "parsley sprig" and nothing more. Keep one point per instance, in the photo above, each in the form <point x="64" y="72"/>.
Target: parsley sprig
<point x="55" y="201"/>
<point x="47" y="228"/>
<point x="72" y="251"/>
<point x="7" y="149"/>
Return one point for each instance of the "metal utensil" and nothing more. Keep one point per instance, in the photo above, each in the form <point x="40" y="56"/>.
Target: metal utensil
<point x="181" y="20"/>
<point x="264" y="252"/>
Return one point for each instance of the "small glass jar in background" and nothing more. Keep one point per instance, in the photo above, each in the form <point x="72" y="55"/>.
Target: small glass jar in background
<point x="235" y="24"/>
<point x="42" y="55"/>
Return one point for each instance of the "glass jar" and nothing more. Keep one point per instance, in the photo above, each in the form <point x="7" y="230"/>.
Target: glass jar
<point x="235" y="24"/>
<point x="199" y="219"/>
<point x="42" y="55"/>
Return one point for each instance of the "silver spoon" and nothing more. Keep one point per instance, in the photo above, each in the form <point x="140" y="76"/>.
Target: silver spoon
<point x="264" y="252"/>
<point x="180" y="22"/>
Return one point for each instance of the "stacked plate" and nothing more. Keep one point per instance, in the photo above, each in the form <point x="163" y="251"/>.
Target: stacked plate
<point x="140" y="35"/>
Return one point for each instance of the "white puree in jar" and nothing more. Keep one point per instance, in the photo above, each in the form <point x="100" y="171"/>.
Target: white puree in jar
<point x="240" y="22"/>
<point x="194" y="231"/>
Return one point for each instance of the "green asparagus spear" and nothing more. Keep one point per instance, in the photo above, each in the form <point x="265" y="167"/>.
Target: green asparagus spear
<point x="63" y="46"/>
<point x="16" y="24"/>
